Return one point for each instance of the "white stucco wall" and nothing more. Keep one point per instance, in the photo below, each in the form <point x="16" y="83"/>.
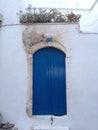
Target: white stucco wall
<point x="11" y="8"/>
<point x="82" y="73"/>
<point x="82" y="78"/>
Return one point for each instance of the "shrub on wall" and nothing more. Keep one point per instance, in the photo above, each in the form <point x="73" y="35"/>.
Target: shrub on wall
<point x="35" y="15"/>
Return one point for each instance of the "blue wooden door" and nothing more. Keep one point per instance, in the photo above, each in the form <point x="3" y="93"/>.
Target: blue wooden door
<point x="49" y="82"/>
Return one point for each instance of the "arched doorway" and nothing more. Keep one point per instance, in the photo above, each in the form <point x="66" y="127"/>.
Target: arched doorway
<point x="49" y="82"/>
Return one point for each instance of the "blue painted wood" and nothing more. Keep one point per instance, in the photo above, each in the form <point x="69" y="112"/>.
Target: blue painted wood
<point x="49" y="82"/>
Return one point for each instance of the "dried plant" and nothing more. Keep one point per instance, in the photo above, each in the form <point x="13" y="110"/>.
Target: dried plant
<point x="35" y="15"/>
<point x="73" y="18"/>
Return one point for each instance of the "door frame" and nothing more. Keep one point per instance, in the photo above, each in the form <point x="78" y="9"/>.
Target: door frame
<point x="30" y="52"/>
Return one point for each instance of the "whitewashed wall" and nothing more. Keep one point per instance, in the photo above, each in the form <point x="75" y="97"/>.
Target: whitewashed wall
<point x="88" y="21"/>
<point x="82" y="70"/>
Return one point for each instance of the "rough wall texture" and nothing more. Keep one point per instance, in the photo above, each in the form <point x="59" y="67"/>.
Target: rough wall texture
<point x="34" y="41"/>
